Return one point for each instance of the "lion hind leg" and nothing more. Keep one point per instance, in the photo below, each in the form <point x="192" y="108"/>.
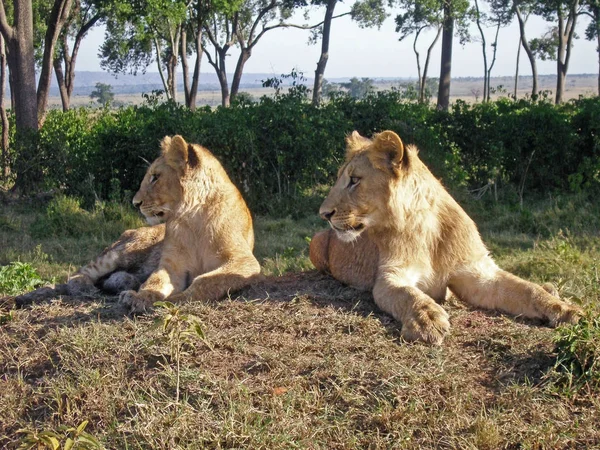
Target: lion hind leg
<point x="486" y="286"/>
<point x="319" y="250"/>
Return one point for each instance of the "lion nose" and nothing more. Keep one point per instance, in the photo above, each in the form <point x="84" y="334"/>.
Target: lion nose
<point x="137" y="203"/>
<point x="327" y="215"/>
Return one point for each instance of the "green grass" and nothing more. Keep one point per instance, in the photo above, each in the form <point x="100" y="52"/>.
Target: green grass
<point x="300" y="361"/>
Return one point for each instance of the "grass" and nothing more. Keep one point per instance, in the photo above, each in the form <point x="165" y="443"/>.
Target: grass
<point x="299" y="360"/>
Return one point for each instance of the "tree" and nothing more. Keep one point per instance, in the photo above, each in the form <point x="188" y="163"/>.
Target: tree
<point x="359" y="88"/>
<point x="58" y="16"/>
<point x="591" y="8"/>
<point x="420" y="16"/>
<point x="454" y="11"/>
<point x="138" y="33"/>
<point x="500" y="15"/>
<point x="198" y="14"/>
<point x="522" y="10"/>
<point x="365" y="12"/>
<point x="18" y="38"/>
<point x="85" y="14"/>
<point x="243" y="24"/>
<point x="103" y="93"/>
<point x="564" y="13"/>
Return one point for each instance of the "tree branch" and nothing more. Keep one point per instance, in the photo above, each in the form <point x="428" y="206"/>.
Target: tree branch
<point x="5" y="28"/>
<point x="310" y="27"/>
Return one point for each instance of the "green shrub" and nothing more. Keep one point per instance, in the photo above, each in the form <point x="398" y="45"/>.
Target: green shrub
<point x="277" y="150"/>
<point x="18" y="277"/>
<point x="578" y="353"/>
<point x="64" y="216"/>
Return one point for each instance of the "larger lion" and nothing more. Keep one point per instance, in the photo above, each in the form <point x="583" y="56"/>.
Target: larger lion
<point x="400" y="233"/>
<point x="202" y="251"/>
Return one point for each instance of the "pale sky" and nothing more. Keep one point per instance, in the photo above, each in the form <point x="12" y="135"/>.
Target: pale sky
<point x="378" y="53"/>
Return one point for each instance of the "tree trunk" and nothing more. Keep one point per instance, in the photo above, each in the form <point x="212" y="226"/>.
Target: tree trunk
<point x="3" y="115"/>
<point x="426" y="67"/>
<point x="443" y="101"/>
<point x="489" y="71"/>
<point x="322" y="64"/>
<point x="517" y="69"/>
<point x="21" y="64"/>
<point x="58" y="17"/>
<point x="566" y="31"/>
<point x="484" y="52"/>
<point x="245" y="54"/>
<point x="530" y="55"/>
<point x="66" y="78"/>
<point x="62" y="84"/>
<point x="196" y="75"/>
<point x="418" y="58"/>
<point x="184" y="66"/>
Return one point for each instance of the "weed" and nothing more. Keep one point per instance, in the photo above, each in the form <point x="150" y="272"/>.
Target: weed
<point x="179" y="328"/>
<point x="18" y="277"/>
<point x="72" y="438"/>
<point x="578" y="354"/>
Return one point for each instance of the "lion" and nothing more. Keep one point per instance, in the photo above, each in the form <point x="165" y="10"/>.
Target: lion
<point x="208" y="238"/>
<point x="397" y="231"/>
<point x="199" y="244"/>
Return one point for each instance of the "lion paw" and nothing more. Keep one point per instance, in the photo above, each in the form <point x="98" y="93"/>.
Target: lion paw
<point x="428" y="322"/>
<point x="137" y="302"/>
<point x="562" y="312"/>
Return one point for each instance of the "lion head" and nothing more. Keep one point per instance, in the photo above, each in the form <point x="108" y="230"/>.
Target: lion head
<point x="163" y="187"/>
<point x="366" y="182"/>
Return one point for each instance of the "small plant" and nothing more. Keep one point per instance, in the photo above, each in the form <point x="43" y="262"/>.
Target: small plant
<point x="18" y="277"/>
<point x="72" y="438"/>
<point x="179" y="328"/>
<point x="578" y="353"/>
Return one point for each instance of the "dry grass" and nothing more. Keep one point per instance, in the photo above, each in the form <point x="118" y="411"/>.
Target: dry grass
<point x="300" y="361"/>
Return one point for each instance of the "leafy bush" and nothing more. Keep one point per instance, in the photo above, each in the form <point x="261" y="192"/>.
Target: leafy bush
<point x="277" y="150"/>
<point x="18" y="277"/>
<point x="65" y="217"/>
<point x="578" y="353"/>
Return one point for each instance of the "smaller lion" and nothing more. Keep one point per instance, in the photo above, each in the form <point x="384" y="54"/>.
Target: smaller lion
<point x="199" y="245"/>
<point x="397" y="231"/>
<point x="208" y="238"/>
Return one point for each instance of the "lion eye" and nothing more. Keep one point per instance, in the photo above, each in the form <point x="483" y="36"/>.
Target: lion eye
<point x="353" y="181"/>
<point x="154" y="178"/>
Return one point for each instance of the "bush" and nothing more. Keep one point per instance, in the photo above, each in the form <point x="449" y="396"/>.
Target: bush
<point x="65" y="217"/>
<point x="18" y="277"/>
<point x="578" y="353"/>
<point x="278" y="150"/>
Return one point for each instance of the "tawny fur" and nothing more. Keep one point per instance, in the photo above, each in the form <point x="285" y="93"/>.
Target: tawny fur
<point x="208" y="242"/>
<point x="390" y="213"/>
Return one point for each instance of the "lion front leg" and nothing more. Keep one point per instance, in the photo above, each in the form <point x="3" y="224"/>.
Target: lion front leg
<point x="422" y="318"/>
<point x="230" y="277"/>
<point x="161" y="283"/>
<point x="486" y="286"/>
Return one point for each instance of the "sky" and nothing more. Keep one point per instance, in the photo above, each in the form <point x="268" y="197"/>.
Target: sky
<point x="377" y="53"/>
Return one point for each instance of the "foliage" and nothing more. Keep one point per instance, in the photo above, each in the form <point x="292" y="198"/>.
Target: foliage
<point x="103" y="93"/>
<point x="18" y="277"/>
<point x="359" y="88"/>
<point x="578" y="353"/>
<point x="72" y="438"/>
<point x="277" y="150"/>
<point x="179" y="328"/>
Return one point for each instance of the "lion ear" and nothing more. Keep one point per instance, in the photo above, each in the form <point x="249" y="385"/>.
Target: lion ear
<point x="387" y="151"/>
<point x="175" y="151"/>
<point x="354" y="143"/>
